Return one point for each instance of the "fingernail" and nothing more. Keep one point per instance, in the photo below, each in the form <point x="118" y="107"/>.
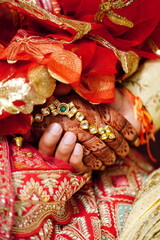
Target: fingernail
<point x="55" y="129"/>
<point x="69" y="138"/>
<point x="77" y="149"/>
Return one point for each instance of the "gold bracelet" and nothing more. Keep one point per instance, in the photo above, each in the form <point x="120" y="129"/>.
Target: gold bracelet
<point x="69" y="110"/>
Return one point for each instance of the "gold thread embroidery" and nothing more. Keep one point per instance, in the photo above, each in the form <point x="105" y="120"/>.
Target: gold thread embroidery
<point x="45" y="232"/>
<point x="6" y="194"/>
<point x="30" y="222"/>
<point x="31" y="93"/>
<point x="81" y="27"/>
<point x="17" y="89"/>
<point x="106" y="9"/>
<point x="33" y="205"/>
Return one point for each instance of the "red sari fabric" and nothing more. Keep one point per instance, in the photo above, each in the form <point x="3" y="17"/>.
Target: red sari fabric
<point x="144" y="14"/>
<point x="44" y="197"/>
<point x="35" y="37"/>
<point x="36" y="193"/>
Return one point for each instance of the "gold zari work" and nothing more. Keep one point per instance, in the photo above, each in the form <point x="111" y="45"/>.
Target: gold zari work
<point x="106" y="9"/>
<point x="17" y="89"/>
<point x="41" y="85"/>
<point x="47" y="196"/>
<point x="81" y="28"/>
<point x="143" y="222"/>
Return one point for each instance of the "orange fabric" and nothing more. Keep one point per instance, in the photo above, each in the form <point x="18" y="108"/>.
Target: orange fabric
<point x="146" y="133"/>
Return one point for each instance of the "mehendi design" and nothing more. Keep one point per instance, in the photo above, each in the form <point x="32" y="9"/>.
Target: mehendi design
<point x="97" y="153"/>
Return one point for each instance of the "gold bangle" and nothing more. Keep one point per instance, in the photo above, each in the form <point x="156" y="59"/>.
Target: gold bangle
<point x="69" y="110"/>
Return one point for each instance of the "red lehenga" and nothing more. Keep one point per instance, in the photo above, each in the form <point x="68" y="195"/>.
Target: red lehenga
<point x="43" y="198"/>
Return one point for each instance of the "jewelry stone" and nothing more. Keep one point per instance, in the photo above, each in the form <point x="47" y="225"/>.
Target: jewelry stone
<point x="63" y="108"/>
<point x="107" y="129"/>
<point x="52" y="106"/>
<point x="79" y="116"/>
<point x="38" y="117"/>
<point x="84" y="124"/>
<point x="111" y="135"/>
<point x="71" y="105"/>
<point x="70" y="114"/>
<point x="104" y="136"/>
<point x="74" y="110"/>
<point x="45" y="111"/>
<point x="93" y="129"/>
<point x="55" y="112"/>
<point x="56" y="102"/>
<point x="101" y="130"/>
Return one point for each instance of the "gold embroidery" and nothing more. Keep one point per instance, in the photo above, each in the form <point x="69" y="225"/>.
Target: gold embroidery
<point x="42" y="81"/>
<point x="17" y="89"/>
<point x="47" y="193"/>
<point x="34" y="189"/>
<point x="96" y="224"/>
<point x="81" y="28"/>
<point x="6" y="194"/>
<point x="145" y="212"/>
<point x="45" y="232"/>
<point x="129" y="60"/>
<point x="30" y="93"/>
<point x="106" y="8"/>
<point x="75" y="230"/>
<point x="29" y="222"/>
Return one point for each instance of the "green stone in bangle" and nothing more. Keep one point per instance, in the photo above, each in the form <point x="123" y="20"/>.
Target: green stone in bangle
<point x="63" y="108"/>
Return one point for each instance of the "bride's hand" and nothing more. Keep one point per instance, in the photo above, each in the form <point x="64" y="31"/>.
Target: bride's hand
<point x="97" y="153"/>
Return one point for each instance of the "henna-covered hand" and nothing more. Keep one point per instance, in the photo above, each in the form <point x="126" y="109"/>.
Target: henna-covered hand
<point x="97" y="153"/>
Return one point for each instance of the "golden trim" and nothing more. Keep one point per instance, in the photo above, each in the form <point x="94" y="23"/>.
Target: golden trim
<point x="36" y="195"/>
<point x="129" y="60"/>
<point x="59" y="211"/>
<point x="6" y="191"/>
<point x="81" y="28"/>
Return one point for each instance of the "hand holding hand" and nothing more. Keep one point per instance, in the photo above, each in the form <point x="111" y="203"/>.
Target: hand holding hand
<point x="97" y="153"/>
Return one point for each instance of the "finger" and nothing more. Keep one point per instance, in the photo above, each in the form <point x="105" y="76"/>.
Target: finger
<point x="100" y="150"/>
<point x="49" y="139"/>
<point x="66" y="146"/>
<point x="119" y="144"/>
<point x="117" y="121"/>
<point x="129" y="132"/>
<point x="91" y="161"/>
<point x="76" y="159"/>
